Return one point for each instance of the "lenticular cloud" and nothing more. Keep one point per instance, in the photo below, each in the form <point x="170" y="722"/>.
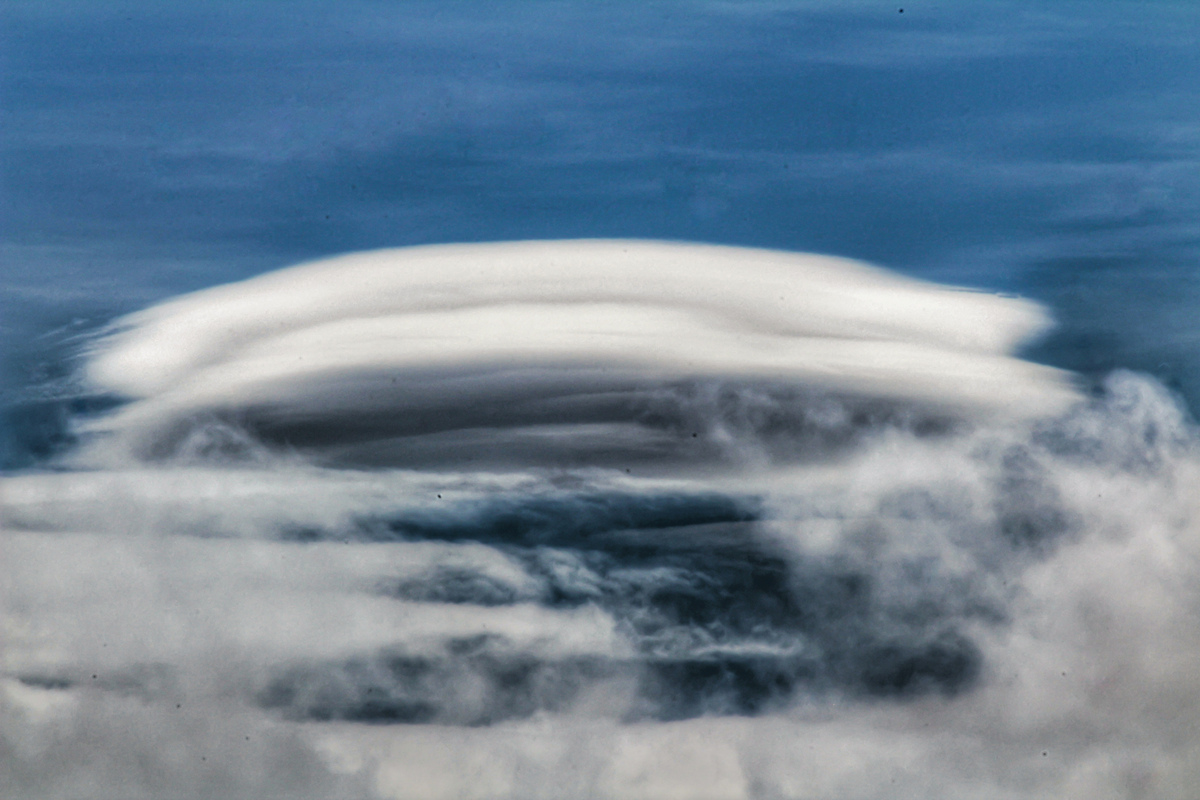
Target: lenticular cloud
<point x="580" y="349"/>
<point x="600" y="519"/>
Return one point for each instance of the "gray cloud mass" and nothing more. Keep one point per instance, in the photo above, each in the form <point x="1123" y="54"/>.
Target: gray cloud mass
<point x="830" y="585"/>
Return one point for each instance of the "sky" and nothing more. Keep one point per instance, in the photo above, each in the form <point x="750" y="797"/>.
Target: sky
<point x="1050" y="151"/>
<point x="599" y="519"/>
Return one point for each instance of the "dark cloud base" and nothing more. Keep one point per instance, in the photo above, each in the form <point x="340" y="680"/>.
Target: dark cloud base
<point x="721" y="620"/>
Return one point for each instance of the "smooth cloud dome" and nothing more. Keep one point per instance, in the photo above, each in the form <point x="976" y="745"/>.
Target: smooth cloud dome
<point x="579" y="343"/>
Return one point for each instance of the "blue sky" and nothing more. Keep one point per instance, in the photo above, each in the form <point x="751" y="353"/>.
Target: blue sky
<point x="1046" y="149"/>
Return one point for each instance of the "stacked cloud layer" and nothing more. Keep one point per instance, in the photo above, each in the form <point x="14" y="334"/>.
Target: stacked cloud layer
<point x="589" y="347"/>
